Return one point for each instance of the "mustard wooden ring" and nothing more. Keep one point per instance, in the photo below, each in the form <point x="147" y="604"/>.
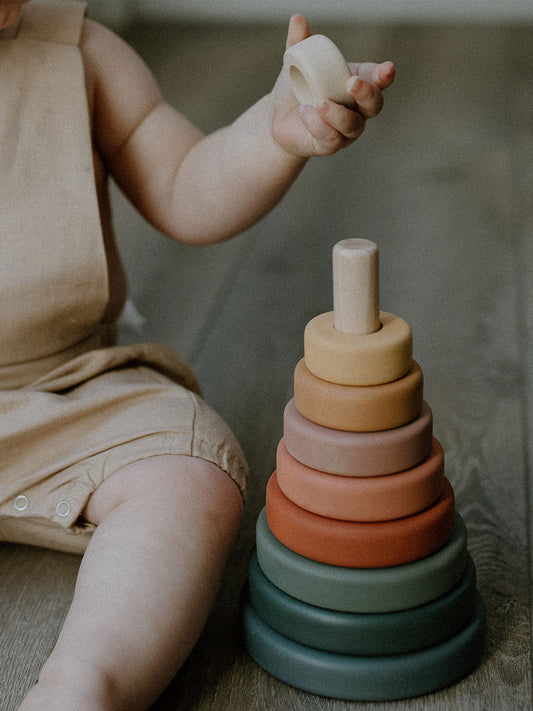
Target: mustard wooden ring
<point x="381" y="498"/>
<point x="317" y="71"/>
<point x="358" y="409"/>
<point x="354" y="359"/>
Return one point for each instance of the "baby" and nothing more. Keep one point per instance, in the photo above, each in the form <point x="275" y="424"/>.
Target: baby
<point x="109" y="450"/>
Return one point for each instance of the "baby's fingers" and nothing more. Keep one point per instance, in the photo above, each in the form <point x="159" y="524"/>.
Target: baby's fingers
<point x="368" y="96"/>
<point x="348" y="124"/>
<point x="331" y="126"/>
<point x="298" y="30"/>
<point x="382" y="75"/>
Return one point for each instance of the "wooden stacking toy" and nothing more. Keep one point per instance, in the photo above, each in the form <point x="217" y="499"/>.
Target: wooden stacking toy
<point x="361" y="586"/>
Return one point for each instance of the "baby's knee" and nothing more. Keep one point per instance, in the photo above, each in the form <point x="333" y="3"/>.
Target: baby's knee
<point x="169" y="483"/>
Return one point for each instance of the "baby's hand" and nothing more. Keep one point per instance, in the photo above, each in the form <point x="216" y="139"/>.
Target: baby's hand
<point x="324" y="129"/>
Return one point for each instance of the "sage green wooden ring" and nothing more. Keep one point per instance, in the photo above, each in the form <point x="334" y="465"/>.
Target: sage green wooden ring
<point x="352" y="678"/>
<point x="362" y="589"/>
<point x="363" y="634"/>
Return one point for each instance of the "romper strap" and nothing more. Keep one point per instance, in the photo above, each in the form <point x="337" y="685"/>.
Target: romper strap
<point x="59" y="21"/>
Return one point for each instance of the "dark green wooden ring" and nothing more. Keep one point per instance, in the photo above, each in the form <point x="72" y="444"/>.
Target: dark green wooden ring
<point x="363" y="634"/>
<point x="352" y="678"/>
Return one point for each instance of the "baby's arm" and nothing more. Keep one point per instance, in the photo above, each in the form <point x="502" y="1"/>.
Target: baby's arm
<point x="204" y="189"/>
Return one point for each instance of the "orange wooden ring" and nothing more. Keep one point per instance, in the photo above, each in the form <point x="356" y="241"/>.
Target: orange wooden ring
<point x="352" y="408"/>
<point x="381" y="498"/>
<point x="359" y="545"/>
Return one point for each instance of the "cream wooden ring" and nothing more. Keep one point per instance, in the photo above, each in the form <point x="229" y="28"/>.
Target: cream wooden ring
<point x="317" y="71"/>
<point x="353" y="359"/>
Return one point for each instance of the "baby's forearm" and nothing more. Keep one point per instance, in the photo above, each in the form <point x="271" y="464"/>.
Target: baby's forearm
<point x="230" y="179"/>
<point x="200" y="189"/>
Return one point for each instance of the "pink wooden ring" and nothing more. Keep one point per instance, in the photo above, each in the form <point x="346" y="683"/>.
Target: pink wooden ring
<point x="381" y="498"/>
<point x="355" y="408"/>
<point x="358" y="453"/>
<point x="359" y="545"/>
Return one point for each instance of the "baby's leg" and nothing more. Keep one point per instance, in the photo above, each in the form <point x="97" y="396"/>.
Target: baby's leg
<point x="166" y="526"/>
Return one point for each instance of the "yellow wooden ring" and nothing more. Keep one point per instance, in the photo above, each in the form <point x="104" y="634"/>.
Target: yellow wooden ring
<point x="358" y="409"/>
<point x="352" y="359"/>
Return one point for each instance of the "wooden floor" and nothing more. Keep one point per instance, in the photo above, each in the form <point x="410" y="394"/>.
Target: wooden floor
<point x="443" y="182"/>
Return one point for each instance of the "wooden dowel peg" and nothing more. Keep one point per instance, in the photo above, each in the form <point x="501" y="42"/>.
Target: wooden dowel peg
<point x="356" y="287"/>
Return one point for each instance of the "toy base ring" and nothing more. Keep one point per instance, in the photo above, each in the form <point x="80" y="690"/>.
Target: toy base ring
<point x="365" y="634"/>
<point x="352" y="678"/>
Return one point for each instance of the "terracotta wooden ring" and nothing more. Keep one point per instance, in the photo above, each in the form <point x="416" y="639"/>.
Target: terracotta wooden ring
<point x="317" y="71"/>
<point x="358" y="409"/>
<point x="358" y="359"/>
<point x="382" y="498"/>
<point x="333" y="587"/>
<point x="358" y="453"/>
<point x="359" y="545"/>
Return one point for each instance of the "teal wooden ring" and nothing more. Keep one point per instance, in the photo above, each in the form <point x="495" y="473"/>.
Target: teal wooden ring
<point x="367" y="635"/>
<point x="362" y="590"/>
<point x="353" y="678"/>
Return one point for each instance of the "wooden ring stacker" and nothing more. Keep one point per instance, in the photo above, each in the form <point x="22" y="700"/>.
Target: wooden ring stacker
<point x="358" y="678"/>
<point x="363" y="634"/>
<point x="358" y="453"/>
<point x="345" y="498"/>
<point x="317" y="71"/>
<point x="359" y="545"/>
<point x="356" y="343"/>
<point x="369" y="590"/>
<point x="358" y="409"/>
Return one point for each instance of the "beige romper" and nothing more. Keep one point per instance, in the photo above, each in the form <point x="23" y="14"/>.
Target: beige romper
<point x="74" y="407"/>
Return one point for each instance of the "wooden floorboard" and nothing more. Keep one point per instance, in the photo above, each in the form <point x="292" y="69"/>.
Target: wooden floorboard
<point x="442" y="182"/>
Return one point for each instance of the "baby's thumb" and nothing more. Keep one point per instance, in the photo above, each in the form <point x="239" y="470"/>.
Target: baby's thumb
<point x="298" y="30"/>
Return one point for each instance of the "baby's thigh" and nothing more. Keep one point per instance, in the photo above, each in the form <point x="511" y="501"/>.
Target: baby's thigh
<point x="174" y="486"/>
